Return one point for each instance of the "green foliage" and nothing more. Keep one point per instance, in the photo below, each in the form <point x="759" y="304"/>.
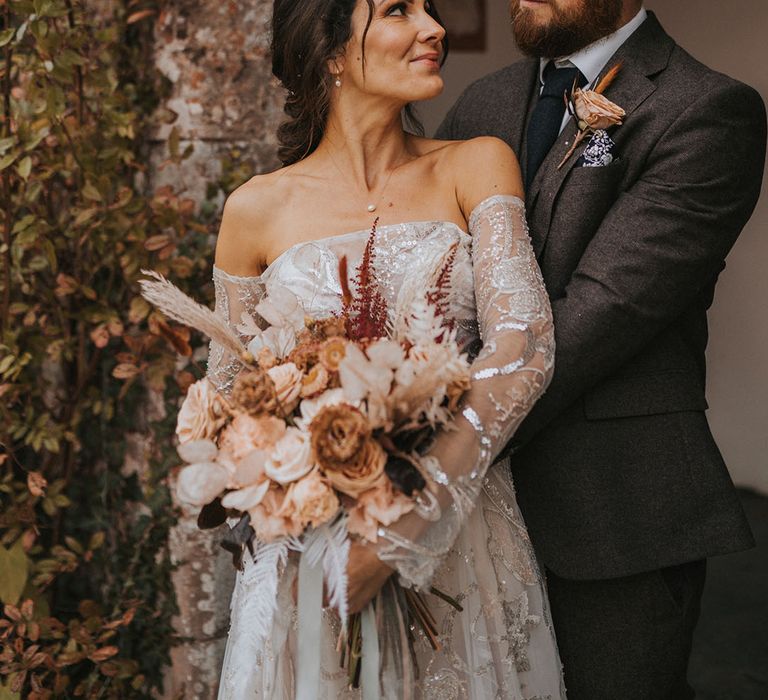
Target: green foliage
<point x="84" y="565"/>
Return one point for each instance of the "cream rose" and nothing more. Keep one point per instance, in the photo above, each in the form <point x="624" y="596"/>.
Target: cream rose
<point x="201" y="414"/>
<point x="247" y="498"/>
<point x="291" y="457"/>
<point x="288" y="381"/>
<point x="198" y="484"/>
<point x="246" y="434"/>
<point x="313" y="499"/>
<point x="595" y="111"/>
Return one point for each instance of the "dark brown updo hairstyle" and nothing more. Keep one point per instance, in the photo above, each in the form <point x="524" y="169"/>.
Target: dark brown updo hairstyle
<point x="306" y="35"/>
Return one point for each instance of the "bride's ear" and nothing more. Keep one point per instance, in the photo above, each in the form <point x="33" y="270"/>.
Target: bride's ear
<point x="336" y="68"/>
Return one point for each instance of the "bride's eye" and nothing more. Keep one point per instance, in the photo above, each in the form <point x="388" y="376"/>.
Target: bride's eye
<point x="397" y="10"/>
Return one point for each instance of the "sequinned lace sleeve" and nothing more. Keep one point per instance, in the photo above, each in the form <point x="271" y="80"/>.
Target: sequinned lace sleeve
<point x="234" y="296"/>
<point x="510" y="373"/>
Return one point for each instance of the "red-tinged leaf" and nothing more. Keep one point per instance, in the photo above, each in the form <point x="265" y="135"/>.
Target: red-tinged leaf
<point x="66" y="285"/>
<point x="138" y="16"/>
<point x="100" y="336"/>
<point x="125" y="371"/>
<point x="12" y="612"/>
<point x="167" y="251"/>
<point x="36" y="483"/>
<point x="28" y="608"/>
<point x="18" y="681"/>
<point x="184" y="380"/>
<point x="157" y="242"/>
<point x="103" y="654"/>
<point x="128" y="616"/>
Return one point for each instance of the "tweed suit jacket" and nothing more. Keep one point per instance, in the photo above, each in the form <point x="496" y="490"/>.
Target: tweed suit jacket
<point x="616" y="469"/>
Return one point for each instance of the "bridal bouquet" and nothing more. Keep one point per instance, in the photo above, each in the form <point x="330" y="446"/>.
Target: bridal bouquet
<point x="318" y="440"/>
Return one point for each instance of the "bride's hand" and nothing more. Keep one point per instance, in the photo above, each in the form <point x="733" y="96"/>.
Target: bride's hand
<point x="366" y="575"/>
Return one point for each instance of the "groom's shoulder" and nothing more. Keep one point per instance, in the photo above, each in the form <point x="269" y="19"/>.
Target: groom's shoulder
<point x="495" y="87"/>
<point x="684" y="81"/>
<point x="490" y="102"/>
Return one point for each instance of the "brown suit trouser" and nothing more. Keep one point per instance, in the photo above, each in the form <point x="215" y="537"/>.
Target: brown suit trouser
<point x="628" y="638"/>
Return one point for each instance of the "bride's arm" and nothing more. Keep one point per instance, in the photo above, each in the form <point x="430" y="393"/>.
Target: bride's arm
<point x="510" y="373"/>
<point x="235" y="277"/>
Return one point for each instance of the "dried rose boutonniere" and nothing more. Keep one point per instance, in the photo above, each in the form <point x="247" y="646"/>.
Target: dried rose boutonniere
<point x="592" y="111"/>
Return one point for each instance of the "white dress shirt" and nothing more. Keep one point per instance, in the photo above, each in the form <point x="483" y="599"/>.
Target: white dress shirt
<point x="592" y="59"/>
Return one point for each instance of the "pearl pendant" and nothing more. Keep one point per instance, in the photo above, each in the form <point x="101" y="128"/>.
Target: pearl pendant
<point x="371" y="208"/>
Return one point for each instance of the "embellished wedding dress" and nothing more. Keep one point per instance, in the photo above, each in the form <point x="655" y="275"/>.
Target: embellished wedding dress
<point x="502" y="645"/>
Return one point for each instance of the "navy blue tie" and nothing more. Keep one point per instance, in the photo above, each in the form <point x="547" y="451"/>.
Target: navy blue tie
<point x="544" y="127"/>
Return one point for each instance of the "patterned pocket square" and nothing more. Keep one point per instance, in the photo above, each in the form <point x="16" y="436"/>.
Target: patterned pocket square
<point x="599" y="151"/>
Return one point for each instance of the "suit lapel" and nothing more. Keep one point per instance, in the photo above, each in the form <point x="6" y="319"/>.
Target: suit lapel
<point x="644" y="54"/>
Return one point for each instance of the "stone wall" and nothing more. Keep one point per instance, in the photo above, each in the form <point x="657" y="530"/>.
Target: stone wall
<point x="223" y="100"/>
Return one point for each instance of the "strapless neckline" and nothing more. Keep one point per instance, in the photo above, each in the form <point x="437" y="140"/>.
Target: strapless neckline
<point x="337" y="237"/>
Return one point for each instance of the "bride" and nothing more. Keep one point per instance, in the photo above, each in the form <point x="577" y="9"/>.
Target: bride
<point x="351" y="68"/>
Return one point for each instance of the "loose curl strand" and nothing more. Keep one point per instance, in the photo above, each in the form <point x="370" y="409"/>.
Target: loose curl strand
<point x="306" y="36"/>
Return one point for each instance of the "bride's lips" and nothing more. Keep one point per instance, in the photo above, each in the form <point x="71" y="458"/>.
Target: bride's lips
<point x="431" y="59"/>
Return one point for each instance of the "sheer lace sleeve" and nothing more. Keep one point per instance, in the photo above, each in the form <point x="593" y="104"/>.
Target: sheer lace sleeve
<point x="234" y="296"/>
<point x="509" y="374"/>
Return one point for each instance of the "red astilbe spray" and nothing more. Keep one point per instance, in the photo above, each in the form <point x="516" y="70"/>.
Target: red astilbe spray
<point x="366" y="311"/>
<point x="437" y="296"/>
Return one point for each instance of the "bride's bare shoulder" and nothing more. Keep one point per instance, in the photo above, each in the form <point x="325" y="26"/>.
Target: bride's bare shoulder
<point x="244" y="234"/>
<point x="483" y="166"/>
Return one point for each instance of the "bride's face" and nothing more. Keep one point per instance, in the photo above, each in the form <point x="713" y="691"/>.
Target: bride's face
<point x="400" y="55"/>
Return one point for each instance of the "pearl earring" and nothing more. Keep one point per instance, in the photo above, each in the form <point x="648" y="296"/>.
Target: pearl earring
<point x="337" y="82"/>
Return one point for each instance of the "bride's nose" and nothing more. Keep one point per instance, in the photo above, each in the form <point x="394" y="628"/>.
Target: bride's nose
<point x="431" y="31"/>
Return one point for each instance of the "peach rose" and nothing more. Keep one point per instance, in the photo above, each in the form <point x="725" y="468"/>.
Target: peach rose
<point x="380" y="505"/>
<point x="291" y="457"/>
<point x="350" y="458"/>
<point x="202" y="413"/>
<point x="314" y="500"/>
<point x="594" y="111"/>
<point x="248" y="471"/>
<point x="246" y="434"/>
<point x="287" y="378"/>
<point x="275" y="516"/>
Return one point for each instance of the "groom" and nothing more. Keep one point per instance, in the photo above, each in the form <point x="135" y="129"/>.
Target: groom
<point x="622" y="486"/>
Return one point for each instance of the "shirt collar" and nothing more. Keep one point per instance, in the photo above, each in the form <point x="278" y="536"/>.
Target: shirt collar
<point x="592" y="59"/>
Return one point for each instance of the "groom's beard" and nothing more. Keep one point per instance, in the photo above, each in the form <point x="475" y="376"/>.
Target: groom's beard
<point x="568" y="30"/>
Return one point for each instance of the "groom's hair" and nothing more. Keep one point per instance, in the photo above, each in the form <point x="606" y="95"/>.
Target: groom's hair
<point x="306" y="36"/>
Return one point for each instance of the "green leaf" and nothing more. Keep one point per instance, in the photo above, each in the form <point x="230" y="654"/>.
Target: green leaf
<point x="24" y="168"/>
<point x="5" y="36"/>
<point x="90" y="192"/>
<point x="7" y="694"/>
<point x="14" y="569"/>
<point x="7" y="160"/>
